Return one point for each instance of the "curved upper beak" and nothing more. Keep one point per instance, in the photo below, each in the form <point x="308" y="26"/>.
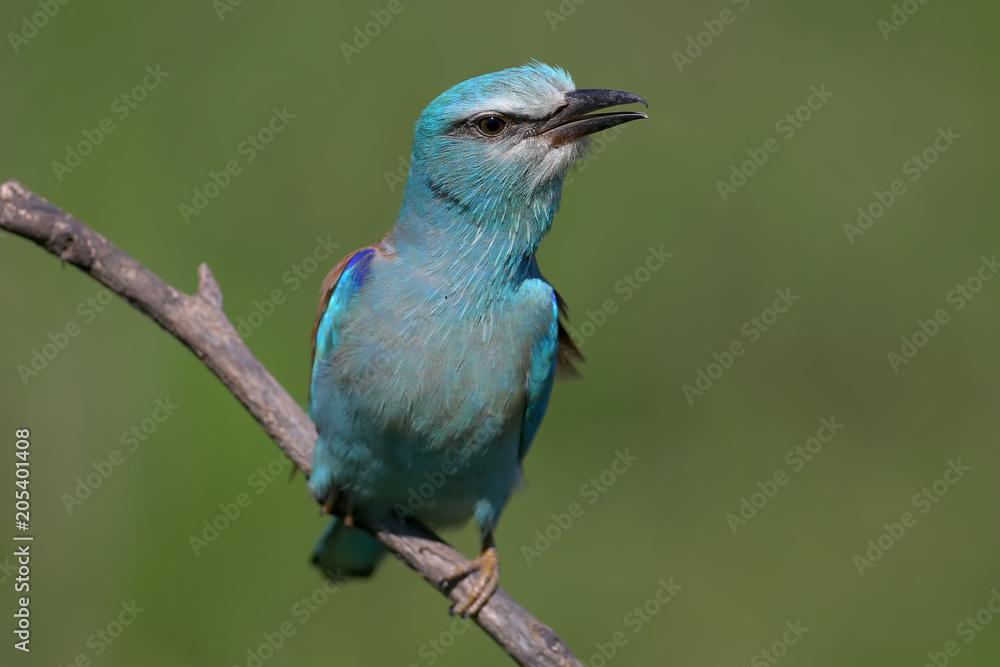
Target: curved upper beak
<point x="571" y="121"/>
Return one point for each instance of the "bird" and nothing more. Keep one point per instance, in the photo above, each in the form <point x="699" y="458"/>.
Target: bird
<point x="435" y="350"/>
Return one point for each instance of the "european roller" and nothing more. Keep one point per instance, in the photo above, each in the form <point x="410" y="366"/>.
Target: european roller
<point x="435" y="350"/>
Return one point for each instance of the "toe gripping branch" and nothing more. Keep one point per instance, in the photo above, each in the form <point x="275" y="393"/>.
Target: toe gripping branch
<point x="487" y="564"/>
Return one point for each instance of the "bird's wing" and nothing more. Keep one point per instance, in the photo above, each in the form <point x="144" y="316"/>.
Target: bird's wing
<point x="343" y="282"/>
<point x="568" y="353"/>
<point x="551" y="356"/>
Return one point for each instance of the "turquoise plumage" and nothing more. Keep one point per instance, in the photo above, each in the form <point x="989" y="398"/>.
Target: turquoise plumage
<point x="436" y="349"/>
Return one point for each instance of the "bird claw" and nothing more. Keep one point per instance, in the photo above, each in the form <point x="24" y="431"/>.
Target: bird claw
<point x="331" y="501"/>
<point x="335" y="502"/>
<point x="487" y="564"/>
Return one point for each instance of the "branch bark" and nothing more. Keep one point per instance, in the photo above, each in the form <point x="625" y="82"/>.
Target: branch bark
<point x="197" y="320"/>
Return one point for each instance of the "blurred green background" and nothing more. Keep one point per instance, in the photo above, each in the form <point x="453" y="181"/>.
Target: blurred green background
<point x="330" y="175"/>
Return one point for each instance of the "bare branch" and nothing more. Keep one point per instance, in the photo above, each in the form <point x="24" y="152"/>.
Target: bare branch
<point x="198" y="322"/>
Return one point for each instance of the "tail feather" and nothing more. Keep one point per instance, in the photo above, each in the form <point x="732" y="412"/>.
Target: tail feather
<point x="344" y="551"/>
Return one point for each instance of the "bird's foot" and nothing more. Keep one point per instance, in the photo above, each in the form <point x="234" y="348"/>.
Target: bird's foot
<point x="487" y="564"/>
<point x="335" y="501"/>
<point x="349" y="514"/>
<point x="330" y="501"/>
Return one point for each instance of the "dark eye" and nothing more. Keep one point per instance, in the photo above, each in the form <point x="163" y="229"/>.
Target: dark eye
<point x="491" y="126"/>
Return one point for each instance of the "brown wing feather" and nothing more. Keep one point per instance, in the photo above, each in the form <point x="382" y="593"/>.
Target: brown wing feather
<point x="330" y="284"/>
<point x="568" y="354"/>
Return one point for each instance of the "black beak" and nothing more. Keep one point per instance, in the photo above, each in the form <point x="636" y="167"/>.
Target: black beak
<point x="571" y="122"/>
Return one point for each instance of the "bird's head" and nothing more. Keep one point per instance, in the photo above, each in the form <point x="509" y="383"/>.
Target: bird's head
<point x="499" y="145"/>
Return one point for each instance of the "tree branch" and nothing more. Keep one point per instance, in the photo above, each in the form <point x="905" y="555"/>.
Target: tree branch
<point x="198" y="321"/>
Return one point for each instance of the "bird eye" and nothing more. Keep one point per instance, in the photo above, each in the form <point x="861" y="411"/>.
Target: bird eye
<point x="491" y="126"/>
